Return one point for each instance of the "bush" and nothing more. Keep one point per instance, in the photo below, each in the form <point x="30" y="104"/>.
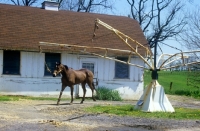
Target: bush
<point x="104" y="93"/>
<point x="193" y="93"/>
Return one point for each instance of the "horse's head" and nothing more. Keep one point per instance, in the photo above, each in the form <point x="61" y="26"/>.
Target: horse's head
<point x="58" y="69"/>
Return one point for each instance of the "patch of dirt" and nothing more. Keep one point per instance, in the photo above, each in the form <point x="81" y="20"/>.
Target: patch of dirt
<point x="32" y="115"/>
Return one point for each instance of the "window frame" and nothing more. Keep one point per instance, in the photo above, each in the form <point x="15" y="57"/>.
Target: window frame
<point x="90" y="63"/>
<point x="7" y="59"/>
<point x="116" y="76"/>
<point x="51" y="65"/>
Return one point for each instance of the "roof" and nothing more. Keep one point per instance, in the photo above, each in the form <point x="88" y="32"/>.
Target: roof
<point x="22" y="28"/>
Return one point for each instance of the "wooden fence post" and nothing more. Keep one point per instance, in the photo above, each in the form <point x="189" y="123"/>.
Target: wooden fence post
<point x="170" y="87"/>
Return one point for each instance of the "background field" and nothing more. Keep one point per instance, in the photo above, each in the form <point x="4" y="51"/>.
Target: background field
<point x="183" y="82"/>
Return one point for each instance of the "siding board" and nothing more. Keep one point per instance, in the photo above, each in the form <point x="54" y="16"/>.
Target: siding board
<point x="100" y="68"/>
<point x="106" y="70"/>
<point x="32" y="64"/>
<point x="1" y="62"/>
<point x="40" y="64"/>
<point x="111" y="74"/>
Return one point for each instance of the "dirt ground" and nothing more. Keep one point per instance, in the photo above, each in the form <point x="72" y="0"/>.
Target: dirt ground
<point x="32" y="115"/>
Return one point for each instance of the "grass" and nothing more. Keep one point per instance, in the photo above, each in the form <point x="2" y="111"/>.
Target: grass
<point x="179" y="83"/>
<point x="128" y="110"/>
<point x="18" y="97"/>
<point x="8" y="98"/>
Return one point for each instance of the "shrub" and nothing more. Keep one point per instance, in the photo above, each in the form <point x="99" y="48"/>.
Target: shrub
<point x="193" y="93"/>
<point x="104" y="93"/>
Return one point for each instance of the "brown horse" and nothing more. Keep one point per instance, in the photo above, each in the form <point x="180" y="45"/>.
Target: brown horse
<point x="72" y="77"/>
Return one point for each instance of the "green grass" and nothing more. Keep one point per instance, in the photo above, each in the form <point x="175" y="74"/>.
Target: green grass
<point x="8" y="98"/>
<point x="179" y="83"/>
<point x="18" y="97"/>
<point x="128" y="110"/>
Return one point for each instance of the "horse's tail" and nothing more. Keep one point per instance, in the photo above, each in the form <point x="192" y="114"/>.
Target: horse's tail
<point x="89" y="73"/>
<point x="93" y="85"/>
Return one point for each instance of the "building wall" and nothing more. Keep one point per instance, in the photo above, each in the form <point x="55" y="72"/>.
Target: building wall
<point x="131" y="88"/>
<point x="33" y="82"/>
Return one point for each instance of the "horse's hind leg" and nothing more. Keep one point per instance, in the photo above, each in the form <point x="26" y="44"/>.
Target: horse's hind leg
<point x="62" y="89"/>
<point x="84" y="91"/>
<point x="91" y="85"/>
<point x="72" y="89"/>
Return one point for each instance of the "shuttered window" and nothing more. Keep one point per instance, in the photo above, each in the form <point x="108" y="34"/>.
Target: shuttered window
<point x="11" y="62"/>
<point x="121" y="69"/>
<point x="51" y="59"/>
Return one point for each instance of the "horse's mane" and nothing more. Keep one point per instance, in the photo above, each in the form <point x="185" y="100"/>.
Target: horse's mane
<point x="66" y="67"/>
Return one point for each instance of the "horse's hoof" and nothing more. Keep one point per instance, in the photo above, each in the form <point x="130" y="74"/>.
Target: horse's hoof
<point x="81" y="102"/>
<point x="58" y="104"/>
<point x="70" y="103"/>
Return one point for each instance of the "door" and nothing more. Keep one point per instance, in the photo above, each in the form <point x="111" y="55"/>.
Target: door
<point x="91" y="64"/>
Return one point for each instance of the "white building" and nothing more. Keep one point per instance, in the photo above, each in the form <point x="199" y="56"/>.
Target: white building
<point x="23" y="72"/>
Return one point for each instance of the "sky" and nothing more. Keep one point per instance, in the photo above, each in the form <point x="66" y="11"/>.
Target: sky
<point x="121" y="7"/>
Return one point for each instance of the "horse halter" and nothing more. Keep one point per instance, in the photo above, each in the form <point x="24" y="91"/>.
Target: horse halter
<point x="57" y="72"/>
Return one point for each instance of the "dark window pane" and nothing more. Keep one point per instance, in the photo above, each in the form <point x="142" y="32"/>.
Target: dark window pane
<point x="121" y="69"/>
<point x="11" y="62"/>
<point x="89" y="66"/>
<point x="51" y="59"/>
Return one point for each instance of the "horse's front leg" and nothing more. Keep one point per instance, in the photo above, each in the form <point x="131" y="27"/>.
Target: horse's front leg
<point x="62" y="89"/>
<point x="72" y="98"/>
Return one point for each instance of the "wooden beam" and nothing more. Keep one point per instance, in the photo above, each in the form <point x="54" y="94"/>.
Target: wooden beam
<point x="125" y="39"/>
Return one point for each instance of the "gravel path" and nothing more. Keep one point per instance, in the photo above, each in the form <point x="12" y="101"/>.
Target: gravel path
<point x="32" y="115"/>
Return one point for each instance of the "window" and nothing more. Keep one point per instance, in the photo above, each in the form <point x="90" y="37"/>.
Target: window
<point x="11" y="62"/>
<point x="51" y="59"/>
<point x="89" y="66"/>
<point x="121" y="69"/>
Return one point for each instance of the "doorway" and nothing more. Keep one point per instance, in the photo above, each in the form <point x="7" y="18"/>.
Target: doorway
<point x="89" y="63"/>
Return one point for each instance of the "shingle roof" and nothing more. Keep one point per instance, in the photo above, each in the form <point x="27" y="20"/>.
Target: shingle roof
<point x="22" y="28"/>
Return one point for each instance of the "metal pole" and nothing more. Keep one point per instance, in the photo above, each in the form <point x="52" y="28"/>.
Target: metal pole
<point x="155" y="52"/>
<point x="154" y="74"/>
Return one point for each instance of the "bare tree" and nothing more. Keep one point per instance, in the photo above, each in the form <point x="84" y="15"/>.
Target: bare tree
<point x="73" y="5"/>
<point x="85" y="5"/>
<point x="24" y="2"/>
<point x="191" y="37"/>
<point x="159" y="19"/>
